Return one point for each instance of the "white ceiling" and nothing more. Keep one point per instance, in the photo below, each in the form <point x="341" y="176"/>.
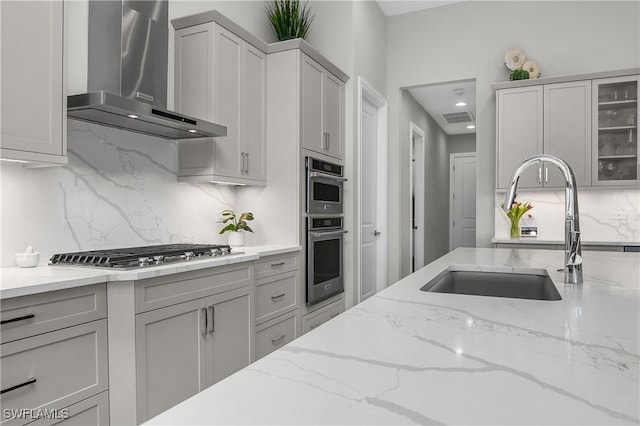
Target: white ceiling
<point x="398" y="7"/>
<point x="438" y="99"/>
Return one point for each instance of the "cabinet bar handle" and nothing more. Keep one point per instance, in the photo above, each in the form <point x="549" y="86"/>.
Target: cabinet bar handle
<point x="539" y="174"/>
<point x="275" y="265"/>
<point x="211" y="319"/>
<point x="546" y="175"/>
<point x="21" y="385"/>
<point x="204" y="321"/>
<point x="278" y="339"/>
<point x="328" y="141"/>
<point x="277" y="296"/>
<point x="26" y="317"/>
<point x="335" y="314"/>
<point x="246" y="155"/>
<point x="325" y="145"/>
<point x="314" y="325"/>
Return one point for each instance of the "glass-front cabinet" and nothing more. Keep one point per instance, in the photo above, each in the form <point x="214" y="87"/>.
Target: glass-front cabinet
<point x="615" y="131"/>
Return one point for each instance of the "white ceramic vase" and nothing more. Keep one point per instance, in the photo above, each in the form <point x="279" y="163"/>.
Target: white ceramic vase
<point x="236" y="238"/>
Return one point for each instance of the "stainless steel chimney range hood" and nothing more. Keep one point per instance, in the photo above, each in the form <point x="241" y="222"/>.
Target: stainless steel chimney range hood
<point x="127" y="73"/>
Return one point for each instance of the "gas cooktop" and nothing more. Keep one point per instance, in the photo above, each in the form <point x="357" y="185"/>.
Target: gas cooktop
<point x="140" y="257"/>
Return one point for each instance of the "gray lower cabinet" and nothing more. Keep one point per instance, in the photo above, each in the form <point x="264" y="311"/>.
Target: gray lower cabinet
<point x="175" y="335"/>
<point x="209" y="340"/>
<point x="170" y="354"/>
<point x="277" y="313"/>
<point x="322" y="315"/>
<point x="54" y="355"/>
<point x="90" y="411"/>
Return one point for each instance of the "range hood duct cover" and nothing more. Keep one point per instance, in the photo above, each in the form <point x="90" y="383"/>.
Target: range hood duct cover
<point x="127" y="73"/>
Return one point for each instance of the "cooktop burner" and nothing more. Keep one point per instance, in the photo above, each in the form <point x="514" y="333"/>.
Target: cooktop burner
<point x="139" y="257"/>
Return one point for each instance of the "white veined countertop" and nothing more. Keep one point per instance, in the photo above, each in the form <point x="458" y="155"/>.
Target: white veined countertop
<point x="16" y="281"/>
<point x="405" y="356"/>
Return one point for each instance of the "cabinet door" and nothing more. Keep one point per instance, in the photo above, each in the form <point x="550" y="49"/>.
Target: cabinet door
<point x="333" y="115"/>
<point x="311" y="105"/>
<point x="194" y="71"/>
<point x="229" y="335"/>
<point x="567" y="131"/>
<point x="520" y="134"/>
<point x="33" y="102"/>
<point x="227" y="97"/>
<point x="54" y="370"/>
<point x="615" y="131"/>
<point x="170" y="356"/>
<point x="254" y="119"/>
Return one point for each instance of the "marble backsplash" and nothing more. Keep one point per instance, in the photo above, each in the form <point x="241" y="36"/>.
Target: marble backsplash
<point x="119" y="189"/>
<point x="606" y="215"/>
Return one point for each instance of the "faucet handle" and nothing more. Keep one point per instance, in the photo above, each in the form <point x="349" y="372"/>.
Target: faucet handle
<point x="574" y="258"/>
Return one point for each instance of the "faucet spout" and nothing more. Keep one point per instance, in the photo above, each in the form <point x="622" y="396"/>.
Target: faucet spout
<point x="572" y="244"/>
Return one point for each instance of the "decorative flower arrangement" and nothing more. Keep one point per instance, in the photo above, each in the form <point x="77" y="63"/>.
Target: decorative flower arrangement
<point x="515" y="213"/>
<point x="521" y="69"/>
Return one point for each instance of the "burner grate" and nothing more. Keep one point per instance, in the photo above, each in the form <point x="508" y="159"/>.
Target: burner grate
<point x="132" y="257"/>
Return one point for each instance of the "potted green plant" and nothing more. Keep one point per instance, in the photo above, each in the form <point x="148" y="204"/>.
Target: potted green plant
<point x="289" y="18"/>
<point x="236" y="226"/>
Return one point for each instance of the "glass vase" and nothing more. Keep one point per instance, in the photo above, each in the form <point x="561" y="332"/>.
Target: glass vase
<point x="514" y="231"/>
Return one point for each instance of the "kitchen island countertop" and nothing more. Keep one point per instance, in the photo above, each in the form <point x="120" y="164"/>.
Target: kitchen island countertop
<point x="15" y="282"/>
<point x="405" y="356"/>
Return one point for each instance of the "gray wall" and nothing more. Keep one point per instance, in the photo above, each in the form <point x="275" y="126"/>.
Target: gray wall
<point x="436" y="217"/>
<point x="468" y="41"/>
<point x="461" y="143"/>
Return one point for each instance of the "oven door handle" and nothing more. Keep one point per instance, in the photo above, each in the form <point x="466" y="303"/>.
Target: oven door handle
<point x="328" y="233"/>
<point x="327" y="175"/>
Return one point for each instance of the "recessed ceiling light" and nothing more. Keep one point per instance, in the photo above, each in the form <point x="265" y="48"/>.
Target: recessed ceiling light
<point x="132" y="116"/>
<point x="471" y="126"/>
<point x="461" y="104"/>
<point x="192" y="131"/>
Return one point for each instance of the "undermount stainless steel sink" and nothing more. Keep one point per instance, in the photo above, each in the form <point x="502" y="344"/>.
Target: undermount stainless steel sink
<point x="491" y="281"/>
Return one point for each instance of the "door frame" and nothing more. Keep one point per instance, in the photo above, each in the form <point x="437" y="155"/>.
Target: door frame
<point x="368" y="92"/>
<point x="452" y="158"/>
<point x="417" y="133"/>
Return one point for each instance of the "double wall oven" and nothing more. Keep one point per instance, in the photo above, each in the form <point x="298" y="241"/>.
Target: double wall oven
<point x="325" y="230"/>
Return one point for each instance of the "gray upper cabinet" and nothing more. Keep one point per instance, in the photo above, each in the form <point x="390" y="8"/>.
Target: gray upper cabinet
<point x="322" y="110"/>
<point x="222" y="78"/>
<point x="551" y="119"/>
<point x="33" y="101"/>
<point x="567" y="130"/>
<point x="520" y="133"/>
<point x="615" y="131"/>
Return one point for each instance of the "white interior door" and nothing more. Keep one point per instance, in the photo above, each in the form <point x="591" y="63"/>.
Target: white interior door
<point x="417" y="196"/>
<point x="368" y="222"/>
<point x="463" y="201"/>
<point x="372" y="190"/>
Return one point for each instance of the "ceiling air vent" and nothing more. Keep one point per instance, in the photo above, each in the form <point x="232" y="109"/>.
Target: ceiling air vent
<point x="457" y="117"/>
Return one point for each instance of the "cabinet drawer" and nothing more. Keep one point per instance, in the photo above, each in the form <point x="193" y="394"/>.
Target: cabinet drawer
<point x="277" y="264"/>
<point x="276" y="295"/>
<point x="91" y="411"/>
<point x="159" y="292"/>
<point x="316" y="319"/>
<point x="275" y="333"/>
<point x="40" y="313"/>
<point x="54" y="370"/>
